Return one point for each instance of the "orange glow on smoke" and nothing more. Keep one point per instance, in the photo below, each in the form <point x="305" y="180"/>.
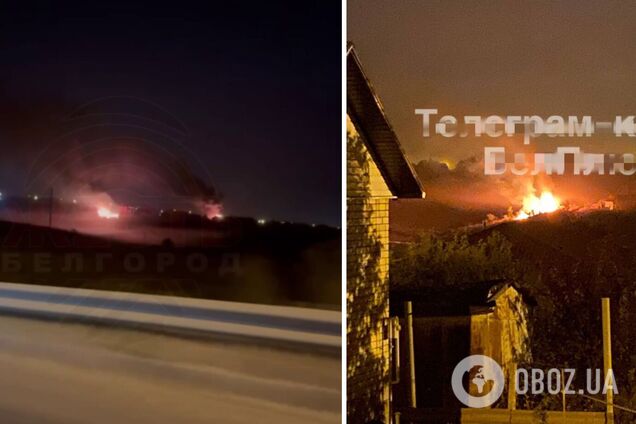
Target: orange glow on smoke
<point x="107" y="213"/>
<point x="533" y="205"/>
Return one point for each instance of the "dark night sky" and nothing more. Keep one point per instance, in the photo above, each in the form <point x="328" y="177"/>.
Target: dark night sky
<point x="253" y="90"/>
<point x="495" y="57"/>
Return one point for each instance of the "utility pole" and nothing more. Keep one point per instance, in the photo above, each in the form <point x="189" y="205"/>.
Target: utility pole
<point x="563" y="393"/>
<point x="408" y="319"/>
<point x="607" y="360"/>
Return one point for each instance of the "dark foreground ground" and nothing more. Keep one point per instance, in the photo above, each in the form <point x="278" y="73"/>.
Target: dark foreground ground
<point x="236" y="260"/>
<point x="57" y="372"/>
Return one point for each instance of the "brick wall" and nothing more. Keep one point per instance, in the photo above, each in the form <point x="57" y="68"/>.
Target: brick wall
<point x="367" y="284"/>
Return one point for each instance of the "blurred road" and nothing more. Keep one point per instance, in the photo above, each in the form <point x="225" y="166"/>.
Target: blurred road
<point x="62" y="372"/>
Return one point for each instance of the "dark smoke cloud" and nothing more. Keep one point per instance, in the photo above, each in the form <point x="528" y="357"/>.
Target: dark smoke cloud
<point x="466" y="186"/>
<point x="125" y="148"/>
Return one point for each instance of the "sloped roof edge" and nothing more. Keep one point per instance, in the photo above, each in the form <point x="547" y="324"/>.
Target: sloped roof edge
<point x="367" y="113"/>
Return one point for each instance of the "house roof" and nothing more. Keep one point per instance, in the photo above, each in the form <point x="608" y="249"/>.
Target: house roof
<point x="366" y="111"/>
<point x="447" y="301"/>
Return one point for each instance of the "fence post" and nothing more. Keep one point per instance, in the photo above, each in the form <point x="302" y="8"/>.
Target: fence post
<point x="512" y="386"/>
<point x="563" y="393"/>
<point x="607" y="359"/>
<point x="408" y="318"/>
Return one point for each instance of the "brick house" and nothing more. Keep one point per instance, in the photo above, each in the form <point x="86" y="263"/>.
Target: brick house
<point x="377" y="171"/>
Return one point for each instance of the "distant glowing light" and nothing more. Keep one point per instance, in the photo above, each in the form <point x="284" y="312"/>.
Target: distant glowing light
<point x="35" y="197"/>
<point x="106" y="213"/>
<point x="262" y="221"/>
<point x="449" y="163"/>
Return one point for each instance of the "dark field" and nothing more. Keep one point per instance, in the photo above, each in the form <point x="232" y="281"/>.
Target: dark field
<point x="237" y="260"/>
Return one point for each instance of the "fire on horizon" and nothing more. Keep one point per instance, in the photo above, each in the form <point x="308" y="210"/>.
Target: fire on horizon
<point x="107" y="213"/>
<point x="536" y="205"/>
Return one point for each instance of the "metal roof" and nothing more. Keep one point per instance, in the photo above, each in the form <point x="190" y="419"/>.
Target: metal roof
<point x="366" y="112"/>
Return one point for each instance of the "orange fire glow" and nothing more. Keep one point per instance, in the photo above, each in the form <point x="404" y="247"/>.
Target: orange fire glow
<point x="107" y="213"/>
<point x="533" y="205"/>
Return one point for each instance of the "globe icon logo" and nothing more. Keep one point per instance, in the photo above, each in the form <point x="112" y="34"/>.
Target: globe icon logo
<point x="479" y="378"/>
<point x="485" y="380"/>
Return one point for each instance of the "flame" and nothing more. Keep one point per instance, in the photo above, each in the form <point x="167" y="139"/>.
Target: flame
<point x="212" y="210"/>
<point x="107" y="213"/>
<point x="533" y="205"/>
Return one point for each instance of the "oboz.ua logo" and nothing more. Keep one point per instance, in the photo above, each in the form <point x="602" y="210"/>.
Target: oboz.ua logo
<point x="478" y="381"/>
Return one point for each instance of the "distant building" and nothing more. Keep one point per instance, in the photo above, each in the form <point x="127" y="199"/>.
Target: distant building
<point x="488" y="318"/>
<point x="604" y="204"/>
<point x="377" y="171"/>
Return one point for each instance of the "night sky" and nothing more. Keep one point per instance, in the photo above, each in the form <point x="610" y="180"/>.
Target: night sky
<point x="496" y="57"/>
<point x="246" y="98"/>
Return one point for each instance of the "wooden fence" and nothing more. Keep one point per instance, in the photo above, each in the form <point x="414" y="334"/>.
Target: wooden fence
<point x="505" y="416"/>
<point x="497" y="416"/>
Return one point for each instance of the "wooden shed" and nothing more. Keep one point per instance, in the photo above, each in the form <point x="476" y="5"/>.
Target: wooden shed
<point x="449" y="324"/>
